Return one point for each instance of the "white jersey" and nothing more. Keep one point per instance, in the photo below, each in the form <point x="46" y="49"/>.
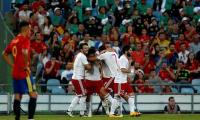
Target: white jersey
<point x="111" y="60"/>
<point x="79" y="69"/>
<point x="95" y="75"/>
<point x="106" y="71"/>
<point x="124" y="63"/>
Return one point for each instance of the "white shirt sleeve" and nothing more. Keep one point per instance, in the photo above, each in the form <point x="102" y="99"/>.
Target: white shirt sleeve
<point x="101" y="56"/>
<point x="84" y="60"/>
<point x="122" y="63"/>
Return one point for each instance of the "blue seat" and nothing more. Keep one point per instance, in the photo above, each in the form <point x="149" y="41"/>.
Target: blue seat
<point x="196" y="82"/>
<point x="52" y="83"/>
<point x="187" y="90"/>
<point x="58" y="90"/>
<point x="174" y="90"/>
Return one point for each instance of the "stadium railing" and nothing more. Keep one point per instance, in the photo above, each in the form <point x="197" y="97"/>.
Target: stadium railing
<point x="146" y="103"/>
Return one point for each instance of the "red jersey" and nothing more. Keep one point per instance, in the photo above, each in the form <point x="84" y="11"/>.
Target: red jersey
<point x="55" y="70"/>
<point x="138" y="56"/>
<point x="164" y="75"/>
<point x="39" y="47"/>
<point x="15" y="47"/>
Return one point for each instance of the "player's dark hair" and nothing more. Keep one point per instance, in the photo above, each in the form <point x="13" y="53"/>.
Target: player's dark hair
<point x="125" y="49"/>
<point x="91" y="51"/>
<point x="170" y="98"/>
<point x="81" y="45"/>
<point x="23" y="24"/>
<point x="101" y="48"/>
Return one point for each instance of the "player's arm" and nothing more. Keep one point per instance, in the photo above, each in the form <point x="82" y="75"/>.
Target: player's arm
<point x="6" y="58"/>
<point x="124" y="70"/>
<point x="25" y="54"/>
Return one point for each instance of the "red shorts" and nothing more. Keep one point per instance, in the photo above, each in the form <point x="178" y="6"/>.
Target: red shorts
<point x="79" y="86"/>
<point x="108" y="83"/>
<point x="122" y="88"/>
<point x="93" y="86"/>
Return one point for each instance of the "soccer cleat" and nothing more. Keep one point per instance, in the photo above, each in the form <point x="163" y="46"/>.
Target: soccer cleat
<point x="69" y="113"/>
<point x="83" y="115"/>
<point x="135" y="114"/>
<point x="115" y="116"/>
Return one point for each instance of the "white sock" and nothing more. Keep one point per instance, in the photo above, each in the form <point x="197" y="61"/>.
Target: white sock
<point x="74" y="103"/>
<point x="89" y="108"/>
<point x="82" y="105"/>
<point x="131" y="101"/>
<point x="120" y="104"/>
<point x="109" y="98"/>
<point x="114" y="105"/>
<point x="105" y="106"/>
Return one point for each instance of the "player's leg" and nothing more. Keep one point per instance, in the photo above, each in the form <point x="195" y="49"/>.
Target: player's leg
<point x="76" y="99"/>
<point x="130" y="98"/>
<point x="16" y="105"/>
<point x="117" y="98"/>
<point x="33" y="97"/>
<point x="18" y="88"/>
<point x="82" y="101"/>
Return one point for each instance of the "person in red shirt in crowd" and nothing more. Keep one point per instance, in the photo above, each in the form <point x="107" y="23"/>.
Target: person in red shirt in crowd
<point x="37" y="4"/>
<point x="138" y="55"/>
<point x="144" y="37"/>
<point x="142" y="88"/>
<point x="33" y="20"/>
<point x="149" y="64"/>
<point x="23" y="83"/>
<point x="126" y="36"/>
<point x="52" y="68"/>
<point x="181" y="40"/>
<point x="38" y="46"/>
<point x="166" y="73"/>
<point x="190" y="32"/>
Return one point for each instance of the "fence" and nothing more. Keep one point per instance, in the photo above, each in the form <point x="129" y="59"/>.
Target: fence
<point x="6" y="36"/>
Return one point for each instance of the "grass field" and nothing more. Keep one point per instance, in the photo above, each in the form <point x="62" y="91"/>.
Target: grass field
<point x="143" y="117"/>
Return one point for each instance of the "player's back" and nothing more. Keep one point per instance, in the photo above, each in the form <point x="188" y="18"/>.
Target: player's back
<point x="111" y="60"/>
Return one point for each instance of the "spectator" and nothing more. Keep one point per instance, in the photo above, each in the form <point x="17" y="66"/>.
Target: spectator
<point x="190" y="32"/>
<point x="66" y="75"/>
<point x="138" y="55"/>
<point x="87" y="39"/>
<point x="24" y="13"/>
<point x="182" y="74"/>
<point x="172" y="107"/>
<point x="172" y="56"/>
<point x="195" y="45"/>
<point x="181" y="40"/>
<point x="166" y="74"/>
<point x="155" y="80"/>
<point x="47" y="28"/>
<point x="183" y="54"/>
<point x="56" y="17"/>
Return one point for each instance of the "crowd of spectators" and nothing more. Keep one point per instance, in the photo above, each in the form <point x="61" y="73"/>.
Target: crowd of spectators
<point x="163" y="34"/>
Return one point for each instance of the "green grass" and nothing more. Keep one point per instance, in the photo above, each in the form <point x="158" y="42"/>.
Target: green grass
<point x="143" y="117"/>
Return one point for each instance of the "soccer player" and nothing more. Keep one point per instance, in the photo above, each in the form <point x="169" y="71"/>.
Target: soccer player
<point x="121" y="86"/>
<point x="23" y="83"/>
<point x="80" y="65"/>
<point x="110" y="58"/>
<point x="92" y="79"/>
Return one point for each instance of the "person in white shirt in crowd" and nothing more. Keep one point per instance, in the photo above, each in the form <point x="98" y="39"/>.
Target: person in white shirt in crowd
<point x="195" y="45"/>
<point x="122" y="88"/>
<point x="80" y="65"/>
<point x="87" y="39"/>
<point x="183" y="54"/>
<point x="24" y="14"/>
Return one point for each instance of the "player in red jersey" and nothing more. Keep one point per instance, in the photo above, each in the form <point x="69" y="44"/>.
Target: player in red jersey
<point x="23" y="83"/>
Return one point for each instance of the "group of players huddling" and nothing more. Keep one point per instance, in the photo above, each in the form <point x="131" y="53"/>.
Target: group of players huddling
<point x="101" y="72"/>
<point x="93" y="73"/>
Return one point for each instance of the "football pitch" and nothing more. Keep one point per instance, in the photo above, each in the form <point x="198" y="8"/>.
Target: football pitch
<point x="103" y="117"/>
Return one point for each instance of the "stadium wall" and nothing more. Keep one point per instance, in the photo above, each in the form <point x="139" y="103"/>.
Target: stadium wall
<point x="145" y="103"/>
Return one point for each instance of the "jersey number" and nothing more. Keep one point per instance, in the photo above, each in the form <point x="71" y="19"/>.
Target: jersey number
<point x="14" y="51"/>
